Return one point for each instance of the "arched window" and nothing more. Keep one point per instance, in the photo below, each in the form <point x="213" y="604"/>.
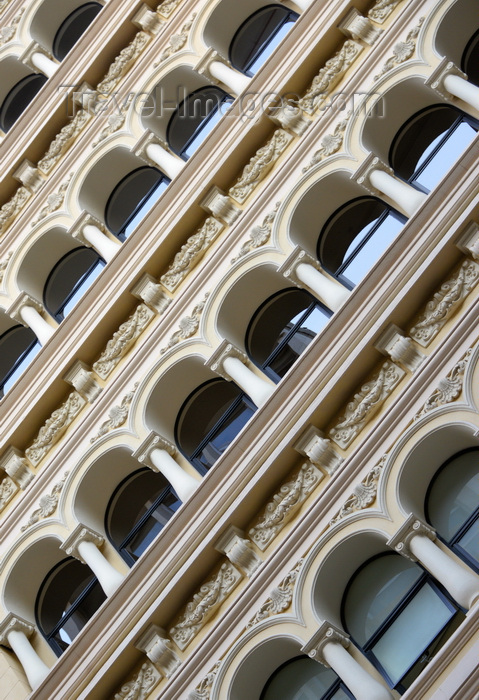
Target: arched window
<point x="355" y="236"/>
<point x="18" y="347"/>
<point x="303" y="678"/>
<point x="470" y="59"/>
<point x="195" y="117"/>
<point x="69" y="280"/>
<point x="209" y="421"/>
<point x="138" y="510"/>
<point x="452" y="505"/>
<point x="429" y="143"/>
<point x="132" y="198"/>
<point x="282" y="328"/>
<point x="69" y="595"/>
<point x="73" y="27"/>
<point x="258" y="37"/>
<point x="18" y="99"/>
<point x="399" y="616"/>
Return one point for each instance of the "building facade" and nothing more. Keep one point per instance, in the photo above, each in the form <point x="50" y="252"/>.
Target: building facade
<point x="239" y="357"/>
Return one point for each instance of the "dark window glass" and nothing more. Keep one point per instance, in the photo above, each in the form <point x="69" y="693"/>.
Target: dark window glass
<point x="258" y="37"/>
<point x="18" y="347"/>
<point x="69" y="280"/>
<point x="139" y="509"/>
<point x="18" y="99"/>
<point x="73" y="27"/>
<point x="355" y="236"/>
<point x="399" y="616"/>
<point x="68" y="597"/>
<point x="470" y="59"/>
<point x="209" y="421"/>
<point x="282" y="329"/>
<point x="132" y="198"/>
<point x="452" y="505"/>
<point x="195" y="118"/>
<point x="303" y="678"/>
<point x="427" y="146"/>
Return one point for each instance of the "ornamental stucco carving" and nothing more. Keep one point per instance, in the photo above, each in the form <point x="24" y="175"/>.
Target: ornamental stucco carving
<point x="284" y="504"/>
<point x="123" y="62"/>
<point x="122" y="340"/>
<point x="4" y="4"/>
<point x="449" y="388"/>
<point x="8" y="33"/>
<point x="63" y="141"/>
<point x="114" y="121"/>
<point x="203" y="605"/>
<point x="190" y="254"/>
<point x="329" y="76"/>
<point x="445" y="302"/>
<point x="280" y="597"/>
<point x="54" y="427"/>
<point x="14" y="205"/>
<point x="331" y="143"/>
<point x="54" y="201"/>
<point x="8" y="489"/>
<point x="167" y="7"/>
<point x="364" y="494"/>
<point x="4" y="265"/>
<point x="188" y="326"/>
<point x="117" y="415"/>
<point x="177" y="41"/>
<point x="365" y="404"/>
<point x="259" y="166"/>
<point x="259" y="234"/>
<point x="382" y="9"/>
<point x="203" y="689"/>
<point x="139" y="687"/>
<point x="47" y="504"/>
<point x="402" y="51"/>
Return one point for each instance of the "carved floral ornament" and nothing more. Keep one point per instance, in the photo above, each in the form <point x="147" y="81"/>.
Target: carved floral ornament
<point x="117" y="415"/>
<point x="8" y="33"/>
<point x="189" y="325"/>
<point x="177" y="41"/>
<point x="449" y="389"/>
<point x="8" y="489"/>
<point x="402" y="51"/>
<point x="141" y="684"/>
<point x="47" y="504"/>
<point x="259" y="234"/>
<point x="331" y="143"/>
<point x="364" y="494"/>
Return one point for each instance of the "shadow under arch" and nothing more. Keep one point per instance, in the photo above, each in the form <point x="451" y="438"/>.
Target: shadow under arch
<point x="463" y="16"/>
<point x="52" y="14"/>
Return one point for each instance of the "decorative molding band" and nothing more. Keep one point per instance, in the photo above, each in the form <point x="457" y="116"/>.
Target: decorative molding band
<point x="280" y="597"/>
<point x="365" y="404"/>
<point x="203" y="689"/>
<point x="331" y="143"/>
<point x="329" y="76"/>
<point x="191" y="253"/>
<point x="259" y="234"/>
<point x="123" y="62"/>
<point x="445" y="303"/>
<point x="177" y="41"/>
<point x="63" y="140"/>
<point x="141" y="684"/>
<point x="116" y="415"/>
<point x="259" y="166"/>
<point x="382" y="9"/>
<point x="47" y="504"/>
<point x="402" y="51"/>
<point x="54" y="428"/>
<point x="166" y="8"/>
<point x="8" y="489"/>
<point x="4" y="4"/>
<point x="449" y="388"/>
<point x="122" y="340"/>
<point x="188" y="326"/>
<point x="54" y="201"/>
<point x="203" y="604"/>
<point x="364" y="494"/>
<point x="15" y="204"/>
<point x="284" y="504"/>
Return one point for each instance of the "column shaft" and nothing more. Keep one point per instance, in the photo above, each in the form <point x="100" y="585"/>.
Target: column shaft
<point x="258" y="389"/>
<point x="466" y="91"/>
<point x="108" y="577"/>
<point x="37" y="323"/>
<point x="103" y="245"/>
<point x="235" y="81"/>
<point x="332" y="294"/>
<point x="362" y="685"/>
<point x="183" y="483"/>
<point x="43" y="63"/>
<point x="406" y="197"/>
<point x="168" y="163"/>
<point x="35" y="669"/>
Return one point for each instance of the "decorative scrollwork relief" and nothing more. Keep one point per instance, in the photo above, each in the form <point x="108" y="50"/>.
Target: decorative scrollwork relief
<point x="365" y="404"/>
<point x="139" y="687"/>
<point x="63" y="140"/>
<point x="284" y="504"/>
<point x="188" y="326"/>
<point x="54" y="427"/>
<point x="331" y="143"/>
<point x="47" y="504"/>
<point x="364" y="494"/>
<point x="382" y="9"/>
<point x="8" y="33"/>
<point x="204" y="603"/>
<point x="116" y="415"/>
<point x="449" y="388"/>
<point x="280" y="597"/>
<point x="122" y="340"/>
<point x="167" y="7"/>
<point x="259" y="165"/>
<point x="402" y="51"/>
<point x="114" y="121"/>
<point x="203" y="689"/>
<point x="259" y="234"/>
<point x="177" y="42"/>
<point x="123" y="62"/>
<point x="8" y="489"/>
<point x="329" y="76"/>
<point x="14" y="205"/>
<point x="54" y="201"/>
<point x="190" y="254"/>
<point x="4" y="265"/>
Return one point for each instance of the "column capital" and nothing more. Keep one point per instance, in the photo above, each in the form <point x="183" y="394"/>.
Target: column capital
<point x="468" y="242"/>
<point x="394" y="343"/>
<point x="28" y="174"/>
<point x="437" y="77"/>
<point x="15" y="464"/>
<point x="203" y="65"/>
<point x="325" y="634"/>
<point x="356" y="26"/>
<point x="14" y="623"/>
<point x="289" y="117"/>
<point x="411" y="527"/>
<point x="147" y="139"/>
<point x="298" y="257"/>
<point x="85" y="219"/>
<point x="313" y="445"/>
<point x="83" y="380"/>
<point x="26" y="56"/>
<point x="147" y="20"/>
<point x="85" y="97"/>
<point x="80" y="534"/>
<point x="363" y="173"/>
<point x="23" y="299"/>
<point x="238" y="549"/>
<point x="154" y="642"/>
<point x="218" y="203"/>
<point x="153" y="441"/>
<point x="148" y="290"/>
<point x="222" y="352"/>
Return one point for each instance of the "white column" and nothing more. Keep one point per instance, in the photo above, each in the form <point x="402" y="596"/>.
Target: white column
<point x="14" y="632"/>
<point x="463" y="89"/>
<point x="235" y="81"/>
<point x="258" y="389"/>
<point x="83" y="544"/>
<point x="103" y="245"/>
<point x="405" y="196"/>
<point x="37" y="323"/>
<point x="414" y="540"/>
<point x="183" y="483"/>
<point x="168" y="163"/>
<point x="43" y="63"/>
<point x="328" y="646"/>
<point x="331" y="293"/>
